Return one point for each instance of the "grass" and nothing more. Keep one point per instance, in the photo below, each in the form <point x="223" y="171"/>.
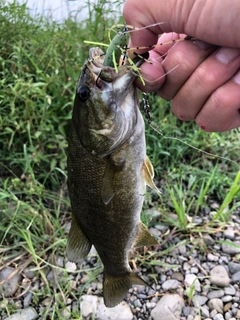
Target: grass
<point x="39" y="68"/>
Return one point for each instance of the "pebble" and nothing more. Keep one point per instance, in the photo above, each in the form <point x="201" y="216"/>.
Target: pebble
<point x="215" y="294"/>
<point x="232" y="249"/>
<point x="236" y="277"/>
<point x="227" y="299"/>
<point x="205" y="311"/>
<point x="90" y="304"/>
<point x="218" y="316"/>
<point x="70" y="266"/>
<point x="230" y="290"/>
<point x="177" y="276"/>
<point x="229" y="234"/>
<point x="216" y="304"/>
<point x="121" y="312"/>
<point x="191" y="279"/>
<point x="233" y="267"/>
<point x="10" y="286"/>
<point x="212" y="257"/>
<point x="199" y="300"/>
<point x="219" y="276"/>
<point x="24" y="314"/>
<point x="208" y="240"/>
<point x="171" y="284"/>
<point x="169" y="307"/>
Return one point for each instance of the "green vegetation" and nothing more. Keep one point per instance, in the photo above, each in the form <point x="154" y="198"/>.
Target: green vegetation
<point x="40" y="63"/>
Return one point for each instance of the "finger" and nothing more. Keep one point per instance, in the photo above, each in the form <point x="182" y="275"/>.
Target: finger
<point x="221" y="111"/>
<point x="212" y="73"/>
<point x="182" y="59"/>
<point x="211" y="21"/>
<point x="154" y="73"/>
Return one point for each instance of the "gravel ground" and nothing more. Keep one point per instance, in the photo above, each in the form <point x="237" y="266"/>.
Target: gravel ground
<point x="198" y="279"/>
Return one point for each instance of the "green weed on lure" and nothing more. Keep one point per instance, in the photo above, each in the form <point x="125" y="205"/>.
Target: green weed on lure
<point x="115" y="49"/>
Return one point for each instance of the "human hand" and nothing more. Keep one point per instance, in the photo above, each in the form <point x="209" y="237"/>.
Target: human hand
<point x="202" y="77"/>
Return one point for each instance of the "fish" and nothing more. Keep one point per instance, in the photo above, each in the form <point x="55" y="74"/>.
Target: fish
<point x="108" y="171"/>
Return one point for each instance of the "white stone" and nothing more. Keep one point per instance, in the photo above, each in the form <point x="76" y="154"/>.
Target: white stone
<point x="219" y="276"/>
<point x="168" y="308"/>
<point x="192" y="280"/>
<point x="24" y="314"/>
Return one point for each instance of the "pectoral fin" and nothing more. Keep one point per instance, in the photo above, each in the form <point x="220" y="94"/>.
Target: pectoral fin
<point x="144" y="238"/>
<point x="78" y="245"/>
<point x="115" y="288"/>
<point x="107" y="184"/>
<point x="148" y="174"/>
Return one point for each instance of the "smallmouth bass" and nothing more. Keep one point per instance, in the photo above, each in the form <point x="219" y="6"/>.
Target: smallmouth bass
<point x="107" y="173"/>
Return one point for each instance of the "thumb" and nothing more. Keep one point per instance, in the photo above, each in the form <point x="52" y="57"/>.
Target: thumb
<point x="215" y="22"/>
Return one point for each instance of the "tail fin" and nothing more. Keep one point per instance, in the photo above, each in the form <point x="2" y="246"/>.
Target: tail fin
<point x="115" y="288"/>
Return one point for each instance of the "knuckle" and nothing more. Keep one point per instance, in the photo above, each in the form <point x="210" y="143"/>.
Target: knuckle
<point x="204" y="78"/>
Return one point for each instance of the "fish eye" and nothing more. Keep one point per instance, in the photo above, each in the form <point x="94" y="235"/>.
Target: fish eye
<point x="83" y="92"/>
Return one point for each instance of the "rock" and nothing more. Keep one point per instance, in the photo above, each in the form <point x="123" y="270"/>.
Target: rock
<point x="66" y="313"/>
<point x="229" y="233"/>
<point x="212" y="257"/>
<point x="70" y="266"/>
<point x="191" y="279"/>
<point x="186" y="266"/>
<point x="208" y="240"/>
<point x="215" y="294"/>
<point x="228" y="315"/>
<point x="10" y="286"/>
<point x="88" y="305"/>
<point x="218" y="316"/>
<point x="234" y="267"/>
<point x="227" y="306"/>
<point x="182" y="249"/>
<point x="199" y="300"/>
<point x="230" y="290"/>
<point x="194" y="270"/>
<point x="171" y="284"/>
<point x="93" y="305"/>
<point x="177" y="276"/>
<point x="232" y="248"/>
<point x="205" y="311"/>
<point x="226" y="299"/>
<point x="219" y="276"/>
<point x="169" y="307"/>
<point x="236" y="277"/>
<point x="121" y="312"/>
<point x="216" y="304"/>
<point x="24" y="314"/>
<point x="27" y="299"/>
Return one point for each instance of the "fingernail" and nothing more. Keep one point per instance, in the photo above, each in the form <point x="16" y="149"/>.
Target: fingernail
<point x="203" y="45"/>
<point x="236" y="78"/>
<point x="227" y="55"/>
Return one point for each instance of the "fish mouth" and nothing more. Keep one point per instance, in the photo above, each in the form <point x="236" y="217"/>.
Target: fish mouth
<point x="110" y="113"/>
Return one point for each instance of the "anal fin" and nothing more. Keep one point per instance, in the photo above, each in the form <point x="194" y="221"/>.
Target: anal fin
<point x="144" y="237"/>
<point x="78" y="245"/>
